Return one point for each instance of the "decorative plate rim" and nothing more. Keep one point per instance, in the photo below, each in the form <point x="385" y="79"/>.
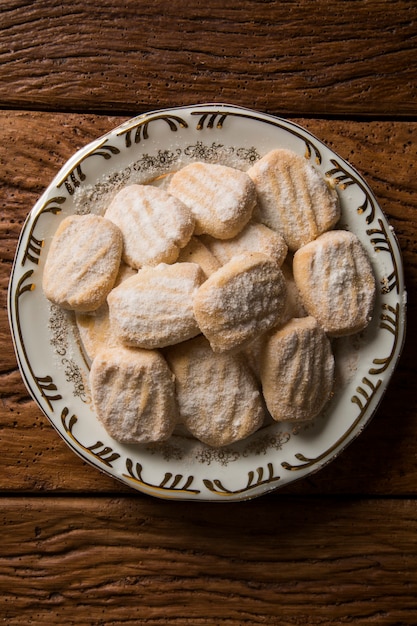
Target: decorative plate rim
<point x="200" y="473"/>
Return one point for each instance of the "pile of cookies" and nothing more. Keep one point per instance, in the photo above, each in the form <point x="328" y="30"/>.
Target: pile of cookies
<point x="212" y="303"/>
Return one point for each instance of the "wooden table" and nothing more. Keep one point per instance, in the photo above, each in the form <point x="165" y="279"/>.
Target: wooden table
<point x="340" y="547"/>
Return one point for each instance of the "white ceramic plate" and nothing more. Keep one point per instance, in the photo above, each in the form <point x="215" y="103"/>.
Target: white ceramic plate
<point x="51" y="360"/>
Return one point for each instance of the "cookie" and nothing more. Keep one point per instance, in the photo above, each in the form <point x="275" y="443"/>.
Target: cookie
<point x="297" y="370"/>
<point x="154" y="224"/>
<point x="336" y="283"/>
<point x="293" y="198"/>
<point x="82" y="262"/>
<point x="218" y="398"/>
<point x="133" y="394"/>
<point x="197" y="252"/>
<point x="254" y="237"/>
<point x="154" y="308"/>
<point x="94" y="328"/>
<point x="221" y="198"/>
<point x="243" y="299"/>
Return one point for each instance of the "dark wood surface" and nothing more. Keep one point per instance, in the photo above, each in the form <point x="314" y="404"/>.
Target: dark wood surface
<point x="337" y="548"/>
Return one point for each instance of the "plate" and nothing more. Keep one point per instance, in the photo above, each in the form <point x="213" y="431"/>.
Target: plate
<point x="50" y="356"/>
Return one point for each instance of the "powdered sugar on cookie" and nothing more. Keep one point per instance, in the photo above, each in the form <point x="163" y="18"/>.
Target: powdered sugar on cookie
<point x="336" y="282"/>
<point x="83" y="262"/>
<point x="220" y="198"/>
<point x="293" y="198"/>
<point x="243" y="299"/>
<point x="154" y="224"/>
<point x="154" y="308"/>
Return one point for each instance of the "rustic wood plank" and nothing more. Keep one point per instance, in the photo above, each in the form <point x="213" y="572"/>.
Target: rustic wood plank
<point x="32" y="148"/>
<point x="134" y="560"/>
<point x="295" y="57"/>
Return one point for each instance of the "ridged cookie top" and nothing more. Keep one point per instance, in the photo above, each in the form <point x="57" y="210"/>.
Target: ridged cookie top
<point x="244" y="298"/>
<point x="335" y="279"/>
<point x="221" y="198"/>
<point x="297" y="370"/>
<point x="154" y="224"/>
<point x="133" y="394"/>
<point x="293" y="198"/>
<point x="155" y="308"/>
<point x="82" y="262"/>
<point x="218" y="398"/>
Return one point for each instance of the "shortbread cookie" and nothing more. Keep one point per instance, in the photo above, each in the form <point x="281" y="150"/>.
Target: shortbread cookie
<point x="94" y="328"/>
<point x="335" y="279"/>
<point x="197" y="252"/>
<point x="254" y="237"/>
<point x="297" y="370"/>
<point x="155" y="308"/>
<point x="133" y="394"/>
<point x="154" y="224"/>
<point x="82" y="262"/>
<point x="221" y="198"/>
<point x="218" y="398"/>
<point x="293" y="198"/>
<point x="242" y="299"/>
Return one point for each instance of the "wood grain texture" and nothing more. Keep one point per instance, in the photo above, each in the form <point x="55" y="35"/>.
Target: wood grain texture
<point x="141" y="561"/>
<point x="299" y="57"/>
<point x="32" y="148"/>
